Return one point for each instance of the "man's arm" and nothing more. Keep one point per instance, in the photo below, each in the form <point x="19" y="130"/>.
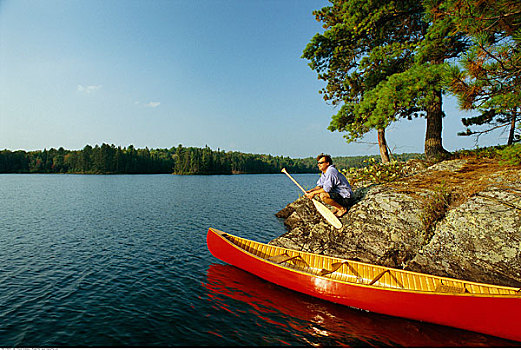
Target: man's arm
<point x="313" y="192"/>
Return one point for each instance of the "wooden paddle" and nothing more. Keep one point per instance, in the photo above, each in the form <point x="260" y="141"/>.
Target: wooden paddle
<point x="321" y="208"/>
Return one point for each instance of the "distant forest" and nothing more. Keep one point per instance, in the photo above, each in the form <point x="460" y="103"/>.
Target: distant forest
<point x="109" y="159"/>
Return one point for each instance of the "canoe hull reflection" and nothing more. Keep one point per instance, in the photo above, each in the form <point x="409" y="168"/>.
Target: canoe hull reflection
<point x="483" y="308"/>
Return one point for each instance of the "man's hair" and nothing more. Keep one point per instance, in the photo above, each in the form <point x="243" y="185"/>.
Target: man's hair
<point x="327" y="156"/>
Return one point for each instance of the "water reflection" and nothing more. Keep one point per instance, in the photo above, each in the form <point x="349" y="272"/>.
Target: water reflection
<point x="310" y="321"/>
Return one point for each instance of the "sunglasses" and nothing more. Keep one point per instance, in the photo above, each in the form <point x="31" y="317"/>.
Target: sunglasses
<point x="321" y="162"/>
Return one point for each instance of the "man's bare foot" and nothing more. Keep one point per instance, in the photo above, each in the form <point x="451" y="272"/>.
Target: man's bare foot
<point x="340" y="212"/>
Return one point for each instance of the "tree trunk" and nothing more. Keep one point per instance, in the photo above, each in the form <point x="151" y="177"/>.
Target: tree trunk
<point x="512" y="128"/>
<point x="433" y="147"/>
<point x="382" y="144"/>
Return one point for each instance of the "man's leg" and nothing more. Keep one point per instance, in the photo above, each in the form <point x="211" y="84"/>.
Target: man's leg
<point x="340" y="210"/>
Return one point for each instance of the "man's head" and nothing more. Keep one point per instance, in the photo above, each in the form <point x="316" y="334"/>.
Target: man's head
<point x="324" y="161"/>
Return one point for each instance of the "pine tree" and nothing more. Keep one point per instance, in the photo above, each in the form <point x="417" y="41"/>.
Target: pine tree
<point x="383" y="61"/>
<point x="488" y="76"/>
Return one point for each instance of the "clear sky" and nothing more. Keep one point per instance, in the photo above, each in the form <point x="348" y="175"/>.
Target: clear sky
<point x="158" y="73"/>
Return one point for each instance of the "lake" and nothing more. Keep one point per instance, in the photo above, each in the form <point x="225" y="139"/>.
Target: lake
<point x="121" y="261"/>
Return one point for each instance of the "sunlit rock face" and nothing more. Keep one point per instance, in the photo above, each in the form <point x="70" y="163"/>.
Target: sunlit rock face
<point x="459" y="218"/>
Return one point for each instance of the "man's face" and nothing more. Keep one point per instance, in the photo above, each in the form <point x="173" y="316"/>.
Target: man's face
<point x="322" y="164"/>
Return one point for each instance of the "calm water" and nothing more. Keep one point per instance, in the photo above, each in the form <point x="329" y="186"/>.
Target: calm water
<point x="122" y="261"/>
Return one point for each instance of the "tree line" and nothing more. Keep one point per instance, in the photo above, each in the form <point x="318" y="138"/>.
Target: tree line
<point x="109" y="159"/>
<point x="385" y="61"/>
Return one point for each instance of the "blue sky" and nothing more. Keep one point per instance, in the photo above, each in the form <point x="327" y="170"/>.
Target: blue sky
<point x="158" y="73"/>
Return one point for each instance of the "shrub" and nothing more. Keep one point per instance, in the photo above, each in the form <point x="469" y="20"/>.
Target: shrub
<point x="375" y="172"/>
<point x="511" y="155"/>
<point x="479" y="153"/>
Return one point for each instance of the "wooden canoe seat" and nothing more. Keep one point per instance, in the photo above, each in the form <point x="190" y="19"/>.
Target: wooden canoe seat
<point x="282" y="258"/>
<point x="443" y="288"/>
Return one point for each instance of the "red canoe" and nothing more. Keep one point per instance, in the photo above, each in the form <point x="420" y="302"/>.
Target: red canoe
<point x="478" y="307"/>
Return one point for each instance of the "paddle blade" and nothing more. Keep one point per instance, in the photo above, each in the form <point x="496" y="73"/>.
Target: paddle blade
<point x="327" y="214"/>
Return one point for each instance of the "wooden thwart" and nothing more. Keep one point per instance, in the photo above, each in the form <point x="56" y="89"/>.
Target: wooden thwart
<point x="338" y="265"/>
<point x="282" y="258"/>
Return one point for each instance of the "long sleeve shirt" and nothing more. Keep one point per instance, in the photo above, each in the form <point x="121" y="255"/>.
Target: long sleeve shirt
<point x="334" y="181"/>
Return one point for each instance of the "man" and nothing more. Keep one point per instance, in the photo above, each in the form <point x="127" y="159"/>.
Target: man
<point x="332" y="187"/>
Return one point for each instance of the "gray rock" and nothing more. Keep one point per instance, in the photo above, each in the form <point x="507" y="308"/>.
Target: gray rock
<point x="479" y="240"/>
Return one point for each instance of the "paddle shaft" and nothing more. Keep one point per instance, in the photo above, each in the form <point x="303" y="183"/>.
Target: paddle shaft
<point x="292" y="179"/>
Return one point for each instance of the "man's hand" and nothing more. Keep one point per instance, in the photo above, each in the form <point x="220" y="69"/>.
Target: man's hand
<point x="310" y="194"/>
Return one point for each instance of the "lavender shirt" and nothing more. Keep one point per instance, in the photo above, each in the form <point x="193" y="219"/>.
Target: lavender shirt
<point x="334" y="181"/>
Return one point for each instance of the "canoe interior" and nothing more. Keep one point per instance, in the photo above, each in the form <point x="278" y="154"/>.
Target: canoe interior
<point x="366" y="274"/>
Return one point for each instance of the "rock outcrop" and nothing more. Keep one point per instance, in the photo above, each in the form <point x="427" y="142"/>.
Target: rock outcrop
<point x="459" y="218"/>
